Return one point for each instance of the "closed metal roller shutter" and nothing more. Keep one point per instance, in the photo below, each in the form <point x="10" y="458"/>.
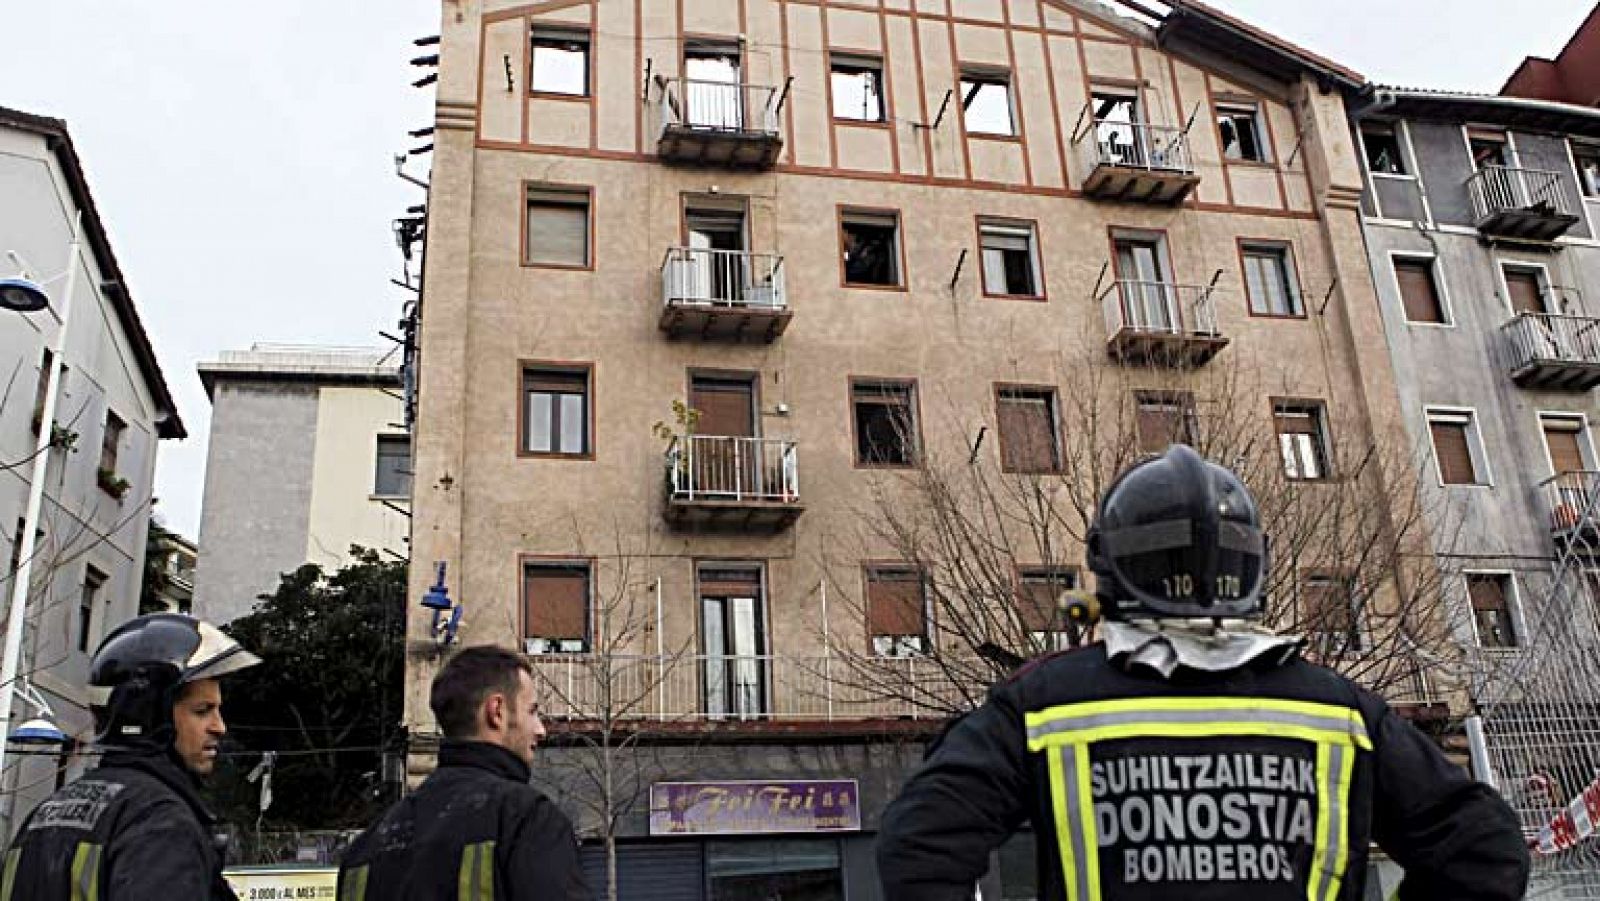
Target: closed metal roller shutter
<point x="659" y="871"/>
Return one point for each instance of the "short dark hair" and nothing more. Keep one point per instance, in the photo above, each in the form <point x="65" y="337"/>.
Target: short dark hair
<point x="466" y="679"/>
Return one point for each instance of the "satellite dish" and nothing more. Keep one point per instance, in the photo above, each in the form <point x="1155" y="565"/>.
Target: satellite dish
<point x="22" y="295"/>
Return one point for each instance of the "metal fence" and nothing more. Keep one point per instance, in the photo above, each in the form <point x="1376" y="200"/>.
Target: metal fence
<point x="1158" y="308"/>
<point x="1499" y="189"/>
<point x="1533" y="338"/>
<point x="718" y="106"/>
<point x="697" y="276"/>
<point x="715" y="467"/>
<point x="1135" y="145"/>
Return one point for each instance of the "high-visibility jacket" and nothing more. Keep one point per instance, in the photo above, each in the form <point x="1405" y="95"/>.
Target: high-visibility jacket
<point x="1266" y="783"/>
<point x="132" y="829"/>
<point x="474" y="831"/>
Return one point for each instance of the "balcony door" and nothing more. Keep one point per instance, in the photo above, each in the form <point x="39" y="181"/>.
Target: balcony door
<point x="1117" y="129"/>
<point x="713" y="92"/>
<point x="734" y="640"/>
<point x="717" y="267"/>
<point x="1148" y="304"/>
<point x="1570" y="459"/>
<point x="726" y="461"/>
<point x="1525" y="290"/>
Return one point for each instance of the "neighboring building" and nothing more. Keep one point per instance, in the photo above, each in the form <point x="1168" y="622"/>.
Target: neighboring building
<point x="1481" y="223"/>
<point x="1572" y="77"/>
<point x="114" y="405"/>
<point x="308" y="456"/>
<point x="175" y="593"/>
<point x="841" y="234"/>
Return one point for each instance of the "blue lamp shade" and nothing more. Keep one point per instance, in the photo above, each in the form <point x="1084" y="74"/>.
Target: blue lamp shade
<point x="22" y="296"/>
<point x="38" y="732"/>
<point x="437" y="598"/>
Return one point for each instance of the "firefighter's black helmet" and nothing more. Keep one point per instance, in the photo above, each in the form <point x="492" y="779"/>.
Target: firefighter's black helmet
<point x="1178" y="537"/>
<point x="140" y="668"/>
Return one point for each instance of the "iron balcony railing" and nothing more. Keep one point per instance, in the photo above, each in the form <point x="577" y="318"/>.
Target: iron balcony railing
<point x="722" y="468"/>
<point x="1570" y="499"/>
<point x="718" y="106"/>
<point x="1135" y="145"/>
<point x="742" y="687"/>
<point x="696" y="276"/>
<point x="1159" y="308"/>
<point x="1535" y="338"/>
<point x="1501" y="189"/>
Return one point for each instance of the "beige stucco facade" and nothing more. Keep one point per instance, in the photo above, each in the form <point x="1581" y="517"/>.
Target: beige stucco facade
<point x="482" y="506"/>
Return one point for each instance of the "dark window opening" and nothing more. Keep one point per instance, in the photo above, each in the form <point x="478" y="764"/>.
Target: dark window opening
<point x="871" y="248"/>
<point x="886" y="423"/>
<point x="1241" y="133"/>
<point x="1382" y="143"/>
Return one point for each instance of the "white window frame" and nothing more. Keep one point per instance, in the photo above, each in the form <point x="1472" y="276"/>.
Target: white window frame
<point x="1546" y="287"/>
<point x="1445" y="306"/>
<point x="1585" y="438"/>
<point x="1588" y="203"/>
<point x="1513" y="603"/>
<point x="1401" y="142"/>
<point x="1475" y="445"/>
<point x="1514" y="160"/>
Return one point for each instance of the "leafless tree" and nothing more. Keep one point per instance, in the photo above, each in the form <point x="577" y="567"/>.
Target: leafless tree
<point x="997" y="537"/>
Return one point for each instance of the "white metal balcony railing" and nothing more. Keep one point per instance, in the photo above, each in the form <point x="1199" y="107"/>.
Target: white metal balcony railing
<point x="745" y="687"/>
<point x="717" y="106"/>
<point x="1159" y="308"/>
<point x="723" y="278"/>
<point x="1135" y="145"/>
<point x="1547" y="338"/>
<point x="1570" y="499"/>
<point x="722" y="468"/>
<point x="1501" y="189"/>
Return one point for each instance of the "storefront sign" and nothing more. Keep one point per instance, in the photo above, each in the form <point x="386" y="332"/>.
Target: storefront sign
<point x="744" y="808"/>
<point x="307" y="884"/>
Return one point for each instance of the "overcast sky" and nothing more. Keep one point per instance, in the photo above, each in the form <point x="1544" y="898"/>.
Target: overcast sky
<point x="240" y="154"/>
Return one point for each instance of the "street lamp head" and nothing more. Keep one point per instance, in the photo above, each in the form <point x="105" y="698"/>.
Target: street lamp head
<point x="38" y="732"/>
<point x="22" y="295"/>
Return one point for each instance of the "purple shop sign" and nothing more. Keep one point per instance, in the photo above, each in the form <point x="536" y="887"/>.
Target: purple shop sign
<point x="745" y="808"/>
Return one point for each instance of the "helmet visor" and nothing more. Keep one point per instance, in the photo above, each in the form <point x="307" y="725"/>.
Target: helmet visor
<point x="1171" y="569"/>
<point x="216" y="655"/>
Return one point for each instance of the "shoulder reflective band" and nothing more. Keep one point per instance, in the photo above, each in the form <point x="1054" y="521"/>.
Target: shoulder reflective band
<point x="86" y="872"/>
<point x="9" y="879"/>
<point x="353" y="884"/>
<point x="476" y="881"/>
<point x="1065" y="733"/>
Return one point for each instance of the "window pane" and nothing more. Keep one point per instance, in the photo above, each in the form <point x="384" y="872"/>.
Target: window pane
<point x="1588" y="160"/>
<point x="574" y="424"/>
<point x="1008" y="260"/>
<point x="986" y="105"/>
<point x="885" y="425"/>
<point x="541" y="416"/>
<point x="561" y="64"/>
<point x="871" y="250"/>
<point x="1240" y="138"/>
<point x="558" y="228"/>
<point x="393" y="476"/>
<point x="857" y="91"/>
<point x="1383" y="150"/>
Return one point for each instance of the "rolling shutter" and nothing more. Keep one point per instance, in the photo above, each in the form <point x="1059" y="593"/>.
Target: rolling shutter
<point x="1418" y="291"/>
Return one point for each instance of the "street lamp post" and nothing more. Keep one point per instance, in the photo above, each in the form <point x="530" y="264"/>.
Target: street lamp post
<point x="24" y="297"/>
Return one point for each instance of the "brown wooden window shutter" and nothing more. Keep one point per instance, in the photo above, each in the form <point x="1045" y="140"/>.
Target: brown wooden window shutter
<point x="1028" y="441"/>
<point x="1163" y="420"/>
<point x="896" y="604"/>
<point x="1454" y="453"/>
<point x="1561" y="436"/>
<point x="1418" y="291"/>
<point x="1039" y="599"/>
<point x="1526" y="295"/>
<point x="556" y="602"/>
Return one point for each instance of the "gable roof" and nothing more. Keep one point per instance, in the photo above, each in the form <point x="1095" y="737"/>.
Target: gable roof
<point x="1208" y="26"/>
<point x="54" y="131"/>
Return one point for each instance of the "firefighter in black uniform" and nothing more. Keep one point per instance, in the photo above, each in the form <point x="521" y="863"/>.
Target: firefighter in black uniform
<point x="475" y="830"/>
<point x="1191" y="755"/>
<point x="134" y="829"/>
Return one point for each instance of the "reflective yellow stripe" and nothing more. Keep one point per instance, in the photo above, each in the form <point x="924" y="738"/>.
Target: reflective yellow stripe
<point x="486" y="872"/>
<point x="86" y="872"/>
<point x="354" y="884"/>
<point x="8" y="880"/>
<point x="475" y="882"/>
<point x="468" y="870"/>
<point x="1066" y="733"/>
